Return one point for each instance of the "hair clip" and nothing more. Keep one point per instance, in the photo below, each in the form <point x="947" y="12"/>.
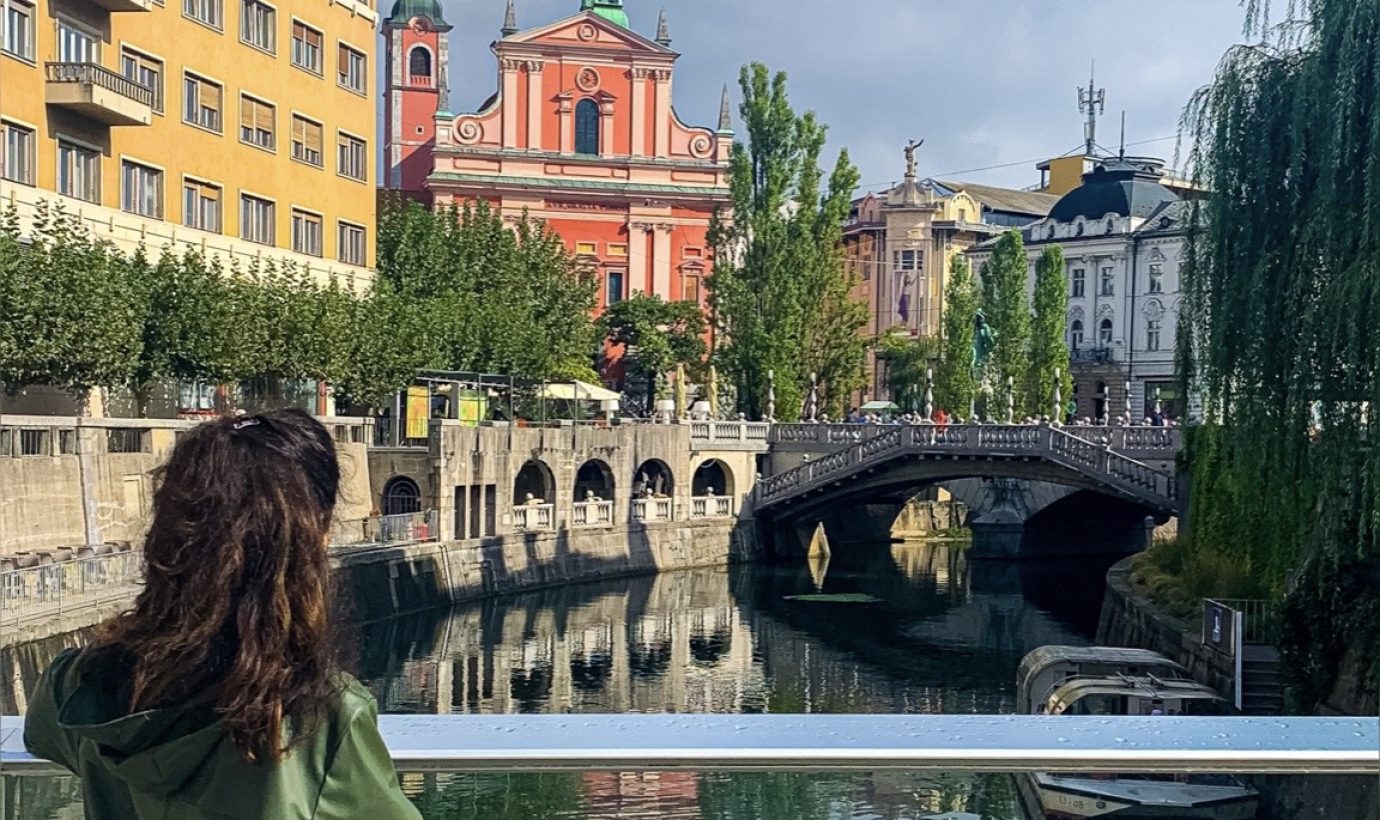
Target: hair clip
<point x="240" y="425"/>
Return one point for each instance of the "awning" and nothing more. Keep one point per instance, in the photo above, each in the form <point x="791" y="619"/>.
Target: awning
<point x="581" y="391"/>
<point x="881" y="405"/>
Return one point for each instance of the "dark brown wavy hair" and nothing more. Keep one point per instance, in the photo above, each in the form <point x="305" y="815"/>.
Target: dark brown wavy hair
<point x="235" y="610"/>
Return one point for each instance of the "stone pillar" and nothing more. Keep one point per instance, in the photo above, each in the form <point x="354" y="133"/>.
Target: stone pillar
<point x="638" y="109"/>
<point x="606" y="135"/>
<point x="445" y="685"/>
<point x="565" y="112"/>
<point x="534" y="104"/>
<point x="662" y="125"/>
<point x="510" y="102"/>
<point x="637" y="257"/>
<point x="661" y="263"/>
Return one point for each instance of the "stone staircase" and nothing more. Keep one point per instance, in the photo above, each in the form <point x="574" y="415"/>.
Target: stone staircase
<point x="1262" y="689"/>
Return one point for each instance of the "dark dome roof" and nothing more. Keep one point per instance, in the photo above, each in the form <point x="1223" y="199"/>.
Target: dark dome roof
<point x="1114" y="187"/>
<point x="404" y="10"/>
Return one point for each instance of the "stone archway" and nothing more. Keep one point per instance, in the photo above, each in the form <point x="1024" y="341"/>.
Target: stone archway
<point x="594" y="480"/>
<point x="401" y="496"/>
<point x="535" y="479"/>
<point x="713" y="477"/>
<point x="654" y="480"/>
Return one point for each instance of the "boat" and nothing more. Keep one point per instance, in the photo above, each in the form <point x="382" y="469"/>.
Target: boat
<point x="1062" y="680"/>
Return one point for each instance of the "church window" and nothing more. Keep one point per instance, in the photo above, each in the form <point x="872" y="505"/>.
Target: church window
<point x="587" y="127"/>
<point x="419" y="63"/>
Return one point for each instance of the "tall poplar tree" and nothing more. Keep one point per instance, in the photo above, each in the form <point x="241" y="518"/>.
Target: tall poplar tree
<point x="955" y="388"/>
<point x="1049" y="349"/>
<point x="1004" y="282"/>
<point x="779" y="291"/>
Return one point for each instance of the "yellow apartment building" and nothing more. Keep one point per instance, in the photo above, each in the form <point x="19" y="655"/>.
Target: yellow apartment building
<point x="240" y="128"/>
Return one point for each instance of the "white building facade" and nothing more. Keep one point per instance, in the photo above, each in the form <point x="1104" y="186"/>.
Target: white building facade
<point x="1122" y="233"/>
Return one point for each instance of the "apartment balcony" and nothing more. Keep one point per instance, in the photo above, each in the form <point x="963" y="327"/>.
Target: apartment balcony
<point x="99" y="93"/>
<point x="124" y="5"/>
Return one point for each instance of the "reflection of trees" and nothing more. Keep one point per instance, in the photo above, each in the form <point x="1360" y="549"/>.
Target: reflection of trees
<point x="771" y="795"/>
<point x="40" y="798"/>
<point x="502" y="797"/>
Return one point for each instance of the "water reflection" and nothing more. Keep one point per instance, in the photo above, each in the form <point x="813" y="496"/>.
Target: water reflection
<point x="937" y="635"/>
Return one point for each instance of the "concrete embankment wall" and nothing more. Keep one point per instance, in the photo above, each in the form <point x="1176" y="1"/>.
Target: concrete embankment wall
<point x="1130" y="619"/>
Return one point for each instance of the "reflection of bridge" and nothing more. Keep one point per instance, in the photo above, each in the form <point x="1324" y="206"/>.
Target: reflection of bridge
<point x="856" y="489"/>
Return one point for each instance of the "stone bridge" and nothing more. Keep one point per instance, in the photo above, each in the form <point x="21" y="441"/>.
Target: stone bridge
<point x="853" y="479"/>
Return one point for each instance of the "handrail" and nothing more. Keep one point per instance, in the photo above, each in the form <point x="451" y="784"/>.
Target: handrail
<point x="99" y="75"/>
<point x="978" y="743"/>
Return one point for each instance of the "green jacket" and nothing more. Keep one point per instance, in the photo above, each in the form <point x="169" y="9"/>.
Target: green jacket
<point x="179" y="764"/>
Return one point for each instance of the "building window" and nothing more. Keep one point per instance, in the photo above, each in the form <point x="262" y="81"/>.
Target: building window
<point x="692" y="289"/>
<point x="1152" y="336"/>
<point x="256" y="24"/>
<point x="306" y="140"/>
<point x="79" y="172"/>
<point x="19" y="30"/>
<point x="1157" y="277"/>
<point x="419" y="65"/>
<point x="1108" y="282"/>
<point x="1104" y="332"/>
<point x="353" y="68"/>
<point x="352" y="157"/>
<point x="141" y="190"/>
<point x="17" y="158"/>
<point x="203" y="11"/>
<point x="256" y="122"/>
<point x="201" y="206"/>
<point x="587" y="127"/>
<point x="145" y="71"/>
<point x="76" y="44"/>
<point x="615" y="287"/>
<point x="909" y="260"/>
<point x="352" y="250"/>
<point x="202" y="101"/>
<point x="1076" y="284"/>
<point x="306" y="233"/>
<point x="256" y="219"/>
<point x="306" y="47"/>
<point x="1076" y="334"/>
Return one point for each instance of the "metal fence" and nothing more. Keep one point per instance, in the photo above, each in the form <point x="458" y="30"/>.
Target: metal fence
<point x="29" y="593"/>
<point x="383" y="530"/>
<point x="1257" y="618"/>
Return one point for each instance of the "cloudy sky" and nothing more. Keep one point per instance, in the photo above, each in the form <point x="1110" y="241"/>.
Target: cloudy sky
<point x="990" y="83"/>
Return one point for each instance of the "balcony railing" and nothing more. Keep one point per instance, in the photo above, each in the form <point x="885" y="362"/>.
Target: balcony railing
<point x="653" y="509"/>
<point x="380" y="530"/>
<point x="99" y="93"/>
<point x="125" y="5"/>
<point x="47" y="590"/>
<point x="534" y="517"/>
<point x="711" y="506"/>
<point x="593" y="514"/>
<point x="977" y="743"/>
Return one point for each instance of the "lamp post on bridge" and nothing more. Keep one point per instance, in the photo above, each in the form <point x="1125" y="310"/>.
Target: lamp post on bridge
<point x="929" y="394"/>
<point x="1010" y="400"/>
<point x="1130" y="419"/>
<point x="1058" y="399"/>
<point x="814" y="397"/>
<point x="771" y="396"/>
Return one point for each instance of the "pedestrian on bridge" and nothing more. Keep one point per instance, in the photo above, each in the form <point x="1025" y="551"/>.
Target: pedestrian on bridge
<point x="220" y="694"/>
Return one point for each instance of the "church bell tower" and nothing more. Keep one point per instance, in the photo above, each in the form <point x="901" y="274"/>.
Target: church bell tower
<point x="416" y="33"/>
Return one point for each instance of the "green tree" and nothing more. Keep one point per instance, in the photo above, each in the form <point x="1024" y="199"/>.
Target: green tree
<point x="655" y="337"/>
<point x="1278" y="336"/>
<point x="1004" y="282"/>
<point x="1049" y="350"/>
<point x="955" y="387"/>
<point x="73" y="306"/>
<point x="779" y="291"/>
<point x="908" y="363"/>
<point x="391" y="340"/>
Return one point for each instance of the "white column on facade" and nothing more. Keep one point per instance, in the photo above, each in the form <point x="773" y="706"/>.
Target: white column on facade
<point x="663" y="113"/>
<point x="510" y="103"/>
<point x="661" y="262"/>
<point x="637" y="257"/>
<point x="565" y="113"/>
<point x="534" y="104"/>
<point x="639" y="111"/>
<point x="606" y="134"/>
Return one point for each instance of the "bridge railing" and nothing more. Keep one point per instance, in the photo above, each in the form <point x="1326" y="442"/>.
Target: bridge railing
<point x="45" y="590"/>
<point x="1124" y="439"/>
<point x="976" y="743"/>
<point x="729" y="431"/>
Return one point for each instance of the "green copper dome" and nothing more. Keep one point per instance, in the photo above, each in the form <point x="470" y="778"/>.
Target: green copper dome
<point x="404" y="10"/>
<point x="611" y="10"/>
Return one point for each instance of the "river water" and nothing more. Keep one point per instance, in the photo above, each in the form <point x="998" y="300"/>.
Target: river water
<point x="920" y="630"/>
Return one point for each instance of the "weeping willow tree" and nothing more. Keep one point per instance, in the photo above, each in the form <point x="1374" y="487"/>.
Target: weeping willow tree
<point x="1280" y="338"/>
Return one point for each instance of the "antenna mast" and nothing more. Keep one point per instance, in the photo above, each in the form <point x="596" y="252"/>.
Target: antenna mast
<point x="1093" y="102"/>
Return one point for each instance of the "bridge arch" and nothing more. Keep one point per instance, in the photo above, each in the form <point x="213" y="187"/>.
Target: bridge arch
<point x="534" y="479"/>
<point x="712" y="477"/>
<point x="594" y="479"/>
<point x="401" y="496"/>
<point x="654" y="479"/>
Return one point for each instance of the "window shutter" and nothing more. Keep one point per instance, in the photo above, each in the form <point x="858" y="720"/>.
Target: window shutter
<point x="312" y="38"/>
<point x="208" y="95"/>
<point x="311" y="136"/>
<point x="263" y="117"/>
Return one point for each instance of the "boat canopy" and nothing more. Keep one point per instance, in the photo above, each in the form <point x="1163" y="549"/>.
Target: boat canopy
<point x="1045" y="658"/>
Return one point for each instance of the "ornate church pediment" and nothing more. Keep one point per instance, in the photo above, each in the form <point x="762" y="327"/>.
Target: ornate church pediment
<point x="587" y="29"/>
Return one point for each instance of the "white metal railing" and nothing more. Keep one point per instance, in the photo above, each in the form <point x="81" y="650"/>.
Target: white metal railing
<point x="711" y="506"/>
<point x="653" y="509"/>
<point x="45" y="590"/>
<point x="592" y="514"/>
<point x="534" y="517"/>
<point x="978" y="743"/>
<point x="1136" y="439"/>
<point x="381" y="530"/>
<point x="727" y="431"/>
